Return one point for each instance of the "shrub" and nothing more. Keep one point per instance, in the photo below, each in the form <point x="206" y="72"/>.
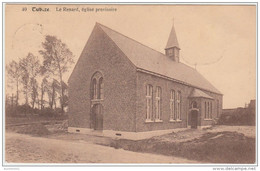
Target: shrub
<point x="19" y="110"/>
<point x="34" y="129"/>
<point x="9" y="111"/>
<point x="240" y="116"/>
<point x="47" y="112"/>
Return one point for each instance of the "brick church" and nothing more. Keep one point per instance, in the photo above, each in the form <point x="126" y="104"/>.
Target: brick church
<point x="121" y="85"/>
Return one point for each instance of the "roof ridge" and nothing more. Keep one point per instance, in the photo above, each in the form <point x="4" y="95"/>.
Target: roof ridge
<point x="135" y="60"/>
<point x="131" y="39"/>
<point x="142" y="44"/>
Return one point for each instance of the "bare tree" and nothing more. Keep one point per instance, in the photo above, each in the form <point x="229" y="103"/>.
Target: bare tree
<point x="14" y="75"/>
<point x="57" y="58"/>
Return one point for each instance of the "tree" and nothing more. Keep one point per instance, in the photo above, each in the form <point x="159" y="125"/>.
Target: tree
<point x="64" y="86"/>
<point x="57" y="59"/>
<point x="44" y="86"/>
<point x="53" y="88"/>
<point x="14" y="74"/>
<point x="34" y="90"/>
<point x="30" y="67"/>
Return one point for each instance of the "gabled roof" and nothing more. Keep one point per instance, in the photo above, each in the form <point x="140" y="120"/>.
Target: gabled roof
<point x="172" y="41"/>
<point x="199" y="93"/>
<point x="148" y="59"/>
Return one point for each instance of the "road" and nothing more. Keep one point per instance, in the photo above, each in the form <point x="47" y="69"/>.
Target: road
<point x="27" y="149"/>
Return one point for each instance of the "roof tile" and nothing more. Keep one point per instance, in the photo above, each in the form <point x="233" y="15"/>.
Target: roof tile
<point x="146" y="58"/>
<point x="199" y="93"/>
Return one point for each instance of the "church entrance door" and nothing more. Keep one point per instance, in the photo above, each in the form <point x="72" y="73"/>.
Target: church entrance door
<point x="194" y="119"/>
<point x="97" y="117"/>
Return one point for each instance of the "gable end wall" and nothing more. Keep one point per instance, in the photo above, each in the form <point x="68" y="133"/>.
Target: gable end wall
<point x="101" y="54"/>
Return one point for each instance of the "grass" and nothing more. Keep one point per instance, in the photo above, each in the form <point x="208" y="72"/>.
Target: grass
<point x="29" y="119"/>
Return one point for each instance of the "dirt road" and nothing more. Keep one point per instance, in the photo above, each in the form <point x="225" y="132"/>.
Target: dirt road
<point x="27" y="149"/>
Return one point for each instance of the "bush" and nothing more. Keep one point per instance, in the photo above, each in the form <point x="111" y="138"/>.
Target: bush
<point x="20" y="110"/>
<point x="58" y="111"/>
<point x="240" y="116"/>
<point x="47" y="112"/>
<point x="23" y="110"/>
<point x="34" y="129"/>
<point x="9" y="111"/>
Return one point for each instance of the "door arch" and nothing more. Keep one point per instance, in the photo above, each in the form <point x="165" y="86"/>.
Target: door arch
<point x="194" y="105"/>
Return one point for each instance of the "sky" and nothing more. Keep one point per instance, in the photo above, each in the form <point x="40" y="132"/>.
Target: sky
<point x="219" y="40"/>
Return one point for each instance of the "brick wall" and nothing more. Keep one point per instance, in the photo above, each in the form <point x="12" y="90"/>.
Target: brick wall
<point x="215" y="112"/>
<point x="101" y="54"/>
<point x="167" y="85"/>
<point x="142" y="80"/>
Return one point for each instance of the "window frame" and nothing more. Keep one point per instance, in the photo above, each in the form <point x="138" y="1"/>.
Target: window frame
<point x="149" y="103"/>
<point x="178" y="104"/>
<point x="100" y="88"/>
<point x="205" y="105"/>
<point x="211" y="111"/>
<point x="217" y="108"/>
<point x="158" y="106"/>
<point x="172" y="105"/>
<point x="94" y="89"/>
<point x="97" y="89"/>
<point x="208" y="110"/>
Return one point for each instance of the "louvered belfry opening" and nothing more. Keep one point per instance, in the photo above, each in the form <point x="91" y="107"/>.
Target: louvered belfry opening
<point x="172" y="48"/>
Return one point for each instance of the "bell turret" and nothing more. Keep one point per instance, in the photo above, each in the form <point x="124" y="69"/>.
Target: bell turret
<point x="172" y="48"/>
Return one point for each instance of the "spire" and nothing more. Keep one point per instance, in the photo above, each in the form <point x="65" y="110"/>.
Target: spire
<point x="172" y="41"/>
<point x="172" y="48"/>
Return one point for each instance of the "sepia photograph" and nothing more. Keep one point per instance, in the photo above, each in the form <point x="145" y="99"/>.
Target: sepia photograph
<point x="139" y="84"/>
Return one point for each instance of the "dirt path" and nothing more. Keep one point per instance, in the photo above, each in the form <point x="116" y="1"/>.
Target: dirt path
<point x="26" y="149"/>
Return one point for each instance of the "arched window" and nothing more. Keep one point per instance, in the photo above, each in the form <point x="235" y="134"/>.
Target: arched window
<point x="94" y="89"/>
<point x="97" y="87"/>
<point x="100" y="88"/>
